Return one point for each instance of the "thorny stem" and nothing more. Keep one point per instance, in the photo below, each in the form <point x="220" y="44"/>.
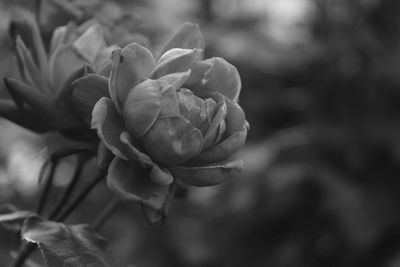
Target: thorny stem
<point x="105" y="214"/>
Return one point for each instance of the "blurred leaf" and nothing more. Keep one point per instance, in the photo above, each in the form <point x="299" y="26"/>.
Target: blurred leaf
<point x="65" y="245"/>
<point x="13" y="219"/>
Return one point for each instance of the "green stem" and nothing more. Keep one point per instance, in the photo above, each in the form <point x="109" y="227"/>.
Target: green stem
<point x="24" y="251"/>
<point x="105" y="214"/>
<point x="98" y="178"/>
<point x="48" y="174"/>
<point x="71" y="186"/>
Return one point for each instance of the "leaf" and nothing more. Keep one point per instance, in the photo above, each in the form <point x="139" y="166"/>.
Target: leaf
<point x="24" y="24"/>
<point x="66" y="245"/>
<point x="12" y="219"/>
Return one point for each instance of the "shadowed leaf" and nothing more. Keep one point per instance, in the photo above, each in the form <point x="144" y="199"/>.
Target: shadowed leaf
<point x="66" y="245"/>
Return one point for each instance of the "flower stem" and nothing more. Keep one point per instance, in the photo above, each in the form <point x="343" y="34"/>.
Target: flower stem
<point x="98" y="178"/>
<point x="48" y="176"/>
<point x="24" y="251"/>
<point x="105" y="214"/>
<point x="70" y="188"/>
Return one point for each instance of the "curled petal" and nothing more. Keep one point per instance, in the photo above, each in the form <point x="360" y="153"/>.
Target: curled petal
<point x="84" y="94"/>
<point x="109" y="126"/>
<point x="142" y="107"/>
<point x="235" y="118"/>
<point x="217" y="126"/>
<point x="206" y="175"/>
<point x="172" y="140"/>
<point x="223" y="150"/>
<point x="91" y="42"/>
<point x="176" y="79"/>
<point x="130" y="184"/>
<point x="158" y="174"/>
<point x="176" y="60"/>
<point x="130" y="66"/>
<point x="158" y="217"/>
<point x="199" y="71"/>
<point x="187" y="37"/>
<point x="223" y="77"/>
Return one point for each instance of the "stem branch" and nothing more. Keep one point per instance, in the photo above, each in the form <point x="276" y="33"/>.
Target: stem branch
<point x="105" y="214"/>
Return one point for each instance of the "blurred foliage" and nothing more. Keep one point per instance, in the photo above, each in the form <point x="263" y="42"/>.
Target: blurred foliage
<point x="321" y="90"/>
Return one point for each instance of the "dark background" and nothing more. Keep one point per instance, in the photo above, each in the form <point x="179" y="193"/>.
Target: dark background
<point x="321" y="184"/>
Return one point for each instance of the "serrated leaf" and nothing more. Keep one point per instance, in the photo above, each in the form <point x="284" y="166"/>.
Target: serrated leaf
<point x="66" y="245"/>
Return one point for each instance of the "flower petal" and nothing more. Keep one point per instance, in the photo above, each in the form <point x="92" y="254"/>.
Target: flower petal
<point x="216" y="128"/>
<point x="223" y="77"/>
<point x="84" y="94"/>
<point x="142" y="107"/>
<point x="130" y="182"/>
<point x="198" y="73"/>
<point x="158" y="217"/>
<point x="172" y="140"/>
<point x="206" y="175"/>
<point x="176" y="60"/>
<point x="176" y="79"/>
<point x="158" y="174"/>
<point x="188" y="37"/>
<point x="235" y="119"/>
<point x="65" y="61"/>
<point x="91" y="42"/>
<point x="109" y="126"/>
<point x="223" y="150"/>
<point x="130" y="66"/>
<point x="169" y="101"/>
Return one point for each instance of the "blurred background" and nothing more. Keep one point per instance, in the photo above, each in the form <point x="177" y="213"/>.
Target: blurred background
<point x="321" y="91"/>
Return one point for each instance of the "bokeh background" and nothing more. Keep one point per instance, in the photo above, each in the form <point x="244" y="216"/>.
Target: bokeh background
<point x="321" y="91"/>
